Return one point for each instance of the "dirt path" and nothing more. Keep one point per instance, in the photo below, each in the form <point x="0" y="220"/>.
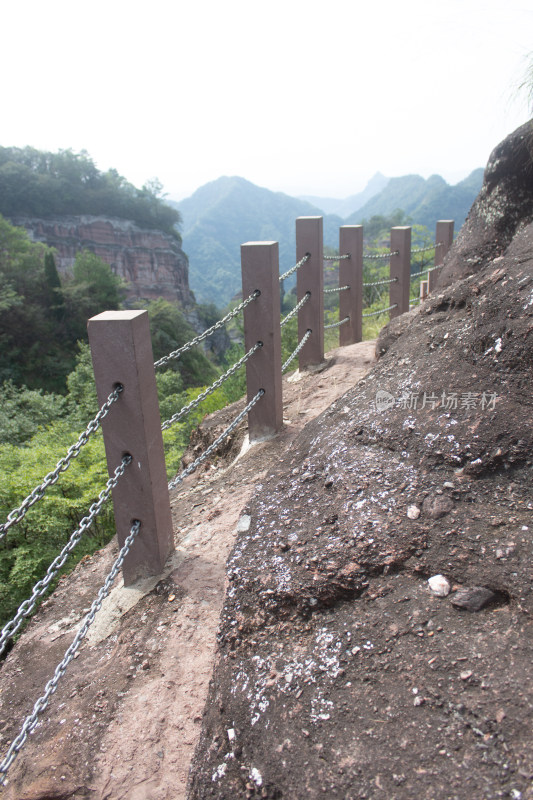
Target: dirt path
<point x="126" y="719"/>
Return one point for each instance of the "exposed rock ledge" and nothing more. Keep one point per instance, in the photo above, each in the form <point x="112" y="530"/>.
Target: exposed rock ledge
<point x="151" y="262"/>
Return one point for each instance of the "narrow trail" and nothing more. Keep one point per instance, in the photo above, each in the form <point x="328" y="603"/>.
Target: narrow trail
<point x="126" y="721"/>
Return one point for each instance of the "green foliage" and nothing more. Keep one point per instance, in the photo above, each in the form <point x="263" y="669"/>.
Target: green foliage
<point x="30" y="546"/>
<point x="41" y="318"/>
<point x="43" y="184"/>
<point x="23" y="411"/>
<point x="424" y="201"/>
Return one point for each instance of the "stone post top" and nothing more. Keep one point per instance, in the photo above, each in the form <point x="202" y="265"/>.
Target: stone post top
<point x="314" y="217"/>
<point x="118" y="315"/>
<point x="401" y="228"/>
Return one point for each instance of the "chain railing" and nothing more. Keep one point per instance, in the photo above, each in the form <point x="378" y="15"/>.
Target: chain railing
<point x="380" y="311"/>
<point x="41" y="587"/>
<point x="63" y="464"/>
<point x="331" y="290"/>
<point x="295" y="310"/>
<point x="337" y="324"/>
<point x="336" y="258"/>
<point x="197" y="339"/>
<point x="384" y="282"/>
<point x="196" y="402"/>
<point x="296" y="267"/>
<point x="295" y="352"/>
<point x="377" y="256"/>
<point x="31" y="721"/>
<point x="218" y="441"/>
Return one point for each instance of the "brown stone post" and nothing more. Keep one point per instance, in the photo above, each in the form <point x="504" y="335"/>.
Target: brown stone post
<point x="260" y="270"/>
<point x="310" y="278"/>
<point x="443" y="234"/>
<point x="400" y="269"/>
<point x="423" y="290"/>
<point x="122" y="354"/>
<point x="351" y="274"/>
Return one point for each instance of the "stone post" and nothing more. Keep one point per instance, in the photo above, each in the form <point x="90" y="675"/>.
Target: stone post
<point x="260" y="270"/>
<point x="351" y="274"/>
<point x="423" y="290"/>
<point x="400" y="269"/>
<point x="122" y="354"/>
<point x="310" y="278"/>
<point x="444" y="236"/>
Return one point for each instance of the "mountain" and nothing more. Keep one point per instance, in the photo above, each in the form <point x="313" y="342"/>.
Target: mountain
<point x="223" y="214"/>
<point x="424" y="201"/>
<point x="343" y="208"/>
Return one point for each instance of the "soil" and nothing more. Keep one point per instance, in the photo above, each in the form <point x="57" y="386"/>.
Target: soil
<point x="127" y="715"/>
<point x="336" y="671"/>
<point x="339" y="673"/>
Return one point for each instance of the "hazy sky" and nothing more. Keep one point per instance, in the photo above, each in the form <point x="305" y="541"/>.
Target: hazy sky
<point x="300" y="96"/>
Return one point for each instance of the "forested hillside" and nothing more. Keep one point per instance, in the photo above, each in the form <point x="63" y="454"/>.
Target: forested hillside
<point x="424" y="201"/>
<point x="221" y="215"/>
<point x="42" y="184"/>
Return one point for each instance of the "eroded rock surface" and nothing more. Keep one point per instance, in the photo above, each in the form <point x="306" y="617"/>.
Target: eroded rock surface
<point x="151" y="262"/>
<point x="339" y="674"/>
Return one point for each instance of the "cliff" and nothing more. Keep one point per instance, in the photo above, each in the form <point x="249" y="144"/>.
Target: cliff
<point x="151" y="262"/>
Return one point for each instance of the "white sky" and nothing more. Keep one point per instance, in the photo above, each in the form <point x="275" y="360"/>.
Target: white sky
<point x="300" y="96"/>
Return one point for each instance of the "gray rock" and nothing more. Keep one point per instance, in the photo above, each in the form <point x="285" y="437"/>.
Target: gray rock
<point x="472" y="598"/>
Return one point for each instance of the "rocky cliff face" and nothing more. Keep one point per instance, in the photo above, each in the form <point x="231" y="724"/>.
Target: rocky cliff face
<point x="152" y="263"/>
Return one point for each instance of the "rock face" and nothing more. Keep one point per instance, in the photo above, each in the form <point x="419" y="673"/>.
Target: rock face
<point x="339" y="674"/>
<point x="152" y="263"/>
<point x="503" y="206"/>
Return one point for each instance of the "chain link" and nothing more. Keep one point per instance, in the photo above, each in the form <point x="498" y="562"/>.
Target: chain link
<point x="30" y="723"/>
<point x="196" y="402"/>
<point x="39" y="590"/>
<point x="374" y="256"/>
<point x="336" y="289"/>
<point x="384" y="282"/>
<point x="425" y="271"/>
<point x="192" y="467"/>
<point x="177" y="353"/>
<point x="293" y="355"/>
<point x="424" y="249"/>
<point x="296" y="266"/>
<point x="63" y="464"/>
<point x="414" y="302"/>
<point x="381" y="311"/>
<point x="337" y="324"/>
<point x="337" y="258"/>
<point x="296" y="308"/>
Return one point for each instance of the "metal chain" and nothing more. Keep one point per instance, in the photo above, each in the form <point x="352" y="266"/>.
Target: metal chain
<point x="192" y="467"/>
<point x="381" y="255"/>
<point x="39" y="590"/>
<point x="196" y="402"/>
<point x="382" y="311"/>
<point x="296" y="266"/>
<point x="418" y="274"/>
<point x="30" y="723"/>
<point x="384" y="282"/>
<point x="425" y="271"/>
<point x="295" y="310"/>
<point x="63" y="464"/>
<point x="305" y="337"/>
<point x="336" y="258"/>
<point x="424" y="249"/>
<point x="336" y="289"/>
<point x="177" y="353"/>
<point x="337" y="324"/>
<point x="414" y="302"/>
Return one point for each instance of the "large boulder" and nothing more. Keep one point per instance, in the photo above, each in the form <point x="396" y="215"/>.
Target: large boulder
<point x="503" y="206"/>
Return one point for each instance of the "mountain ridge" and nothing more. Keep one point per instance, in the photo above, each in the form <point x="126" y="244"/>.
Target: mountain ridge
<point x="224" y="213"/>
